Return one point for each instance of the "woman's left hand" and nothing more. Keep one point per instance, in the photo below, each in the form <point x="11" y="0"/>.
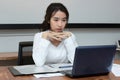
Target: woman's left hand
<point x="67" y="34"/>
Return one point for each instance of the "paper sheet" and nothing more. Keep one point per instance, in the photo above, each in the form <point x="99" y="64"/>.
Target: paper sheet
<point x="51" y="68"/>
<point x="61" y="66"/>
<point x="48" y="75"/>
<point x="30" y="69"/>
<point x="116" y="70"/>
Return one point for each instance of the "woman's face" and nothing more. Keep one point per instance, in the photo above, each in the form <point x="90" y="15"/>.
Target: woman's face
<point x="58" y="21"/>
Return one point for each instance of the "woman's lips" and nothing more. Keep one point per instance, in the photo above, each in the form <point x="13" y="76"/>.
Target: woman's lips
<point x="59" y="30"/>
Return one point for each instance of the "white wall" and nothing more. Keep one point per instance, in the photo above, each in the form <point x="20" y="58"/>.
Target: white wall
<point x="81" y="11"/>
<point x="97" y="36"/>
<point x="9" y="39"/>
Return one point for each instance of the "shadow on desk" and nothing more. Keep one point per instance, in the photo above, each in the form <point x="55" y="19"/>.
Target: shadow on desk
<point x="117" y="55"/>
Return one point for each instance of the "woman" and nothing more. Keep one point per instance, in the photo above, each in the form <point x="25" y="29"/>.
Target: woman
<point x="53" y="44"/>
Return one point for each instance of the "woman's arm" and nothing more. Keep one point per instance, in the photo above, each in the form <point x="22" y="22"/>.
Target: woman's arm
<point x="40" y="46"/>
<point x="71" y="44"/>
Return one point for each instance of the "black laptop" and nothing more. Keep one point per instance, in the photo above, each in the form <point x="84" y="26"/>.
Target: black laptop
<point x="92" y="60"/>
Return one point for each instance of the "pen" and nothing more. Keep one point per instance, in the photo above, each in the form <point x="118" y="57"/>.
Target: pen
<point x="65" y="66"/>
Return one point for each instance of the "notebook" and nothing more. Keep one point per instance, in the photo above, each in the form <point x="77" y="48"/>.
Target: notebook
<point x="30" y="69"/>
<point x="33" y="69"/>
<point x="92" y="60"/>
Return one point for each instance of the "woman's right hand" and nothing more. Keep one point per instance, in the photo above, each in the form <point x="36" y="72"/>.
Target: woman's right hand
<point x="54" y="37"/>
<point x="58" y="36"/>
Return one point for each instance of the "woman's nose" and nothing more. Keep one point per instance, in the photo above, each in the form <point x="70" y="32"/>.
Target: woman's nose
<point x="60" y="23"/>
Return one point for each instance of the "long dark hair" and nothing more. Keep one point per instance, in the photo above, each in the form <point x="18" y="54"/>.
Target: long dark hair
<point x="53" y="8"/>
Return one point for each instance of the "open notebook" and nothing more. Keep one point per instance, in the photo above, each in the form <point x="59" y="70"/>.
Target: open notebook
<point x="32" y="69"/>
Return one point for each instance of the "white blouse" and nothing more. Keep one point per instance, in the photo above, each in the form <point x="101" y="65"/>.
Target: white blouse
<point x="44" y="52"/>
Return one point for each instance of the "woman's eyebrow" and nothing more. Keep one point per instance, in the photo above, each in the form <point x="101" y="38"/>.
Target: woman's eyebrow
<point x="59" y="18"/>
<point x="56" y="17"/>
<point x="64" y="18"/>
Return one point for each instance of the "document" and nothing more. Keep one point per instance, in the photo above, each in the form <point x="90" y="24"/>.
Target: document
<point x="26" y="69"/>
<point x="61" y="66"/>
<point x="116" y="70"/>
<point x="33" y="69"/>
<point x="48" y="75"/>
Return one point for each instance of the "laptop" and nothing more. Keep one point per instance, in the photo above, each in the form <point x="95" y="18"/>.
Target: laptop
<point x="92" y="60"/>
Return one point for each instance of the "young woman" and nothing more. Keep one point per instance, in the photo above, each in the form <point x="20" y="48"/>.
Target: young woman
<point x="53" y="44"/>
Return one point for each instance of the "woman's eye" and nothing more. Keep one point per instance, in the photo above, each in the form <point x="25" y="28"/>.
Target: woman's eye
<point x="56" y="20"/>
<point x="64" y="20"/>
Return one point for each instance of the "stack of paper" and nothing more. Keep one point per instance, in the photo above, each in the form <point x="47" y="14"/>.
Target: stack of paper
<point x="116" y="70"/>
<point x="48" y="75"/>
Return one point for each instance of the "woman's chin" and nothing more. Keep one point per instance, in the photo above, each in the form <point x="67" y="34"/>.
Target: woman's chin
<point x="59" y="31"/>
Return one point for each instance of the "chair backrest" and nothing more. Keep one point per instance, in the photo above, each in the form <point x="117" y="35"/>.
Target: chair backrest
<point x="25" y="53"/>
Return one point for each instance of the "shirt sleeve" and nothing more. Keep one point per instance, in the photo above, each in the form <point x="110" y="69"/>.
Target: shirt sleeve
<point x="39" y="49"/>
<point x="71" y="44"/>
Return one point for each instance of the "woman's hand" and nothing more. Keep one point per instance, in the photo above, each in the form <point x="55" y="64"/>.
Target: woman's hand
<point x="67" y="34"/>
<point x="59" y="36"/>
<point x="56" y="37"/>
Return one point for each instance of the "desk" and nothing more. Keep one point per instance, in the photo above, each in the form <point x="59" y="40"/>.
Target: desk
<point x="8" y="56"/>
<point x="11" y="58"/>
<point x="5" y="74"/>
<point x="13" y="55"/>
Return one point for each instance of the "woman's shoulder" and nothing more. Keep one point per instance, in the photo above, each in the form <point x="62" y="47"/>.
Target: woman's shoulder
<point x="70" y="32"/>
<point x="39" y="33"/>
<point x="72" y="35"/>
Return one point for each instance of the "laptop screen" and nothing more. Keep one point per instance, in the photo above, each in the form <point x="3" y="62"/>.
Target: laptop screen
<point x="91" y="60"/>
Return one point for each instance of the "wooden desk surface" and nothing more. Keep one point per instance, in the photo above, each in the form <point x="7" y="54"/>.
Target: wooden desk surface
<point x="8" y="56"/>
<point x="5" y="74"/>
<point x="12" y="55"/>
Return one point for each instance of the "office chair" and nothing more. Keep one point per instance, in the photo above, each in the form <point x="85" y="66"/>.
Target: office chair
<point x="25" y="57"/>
